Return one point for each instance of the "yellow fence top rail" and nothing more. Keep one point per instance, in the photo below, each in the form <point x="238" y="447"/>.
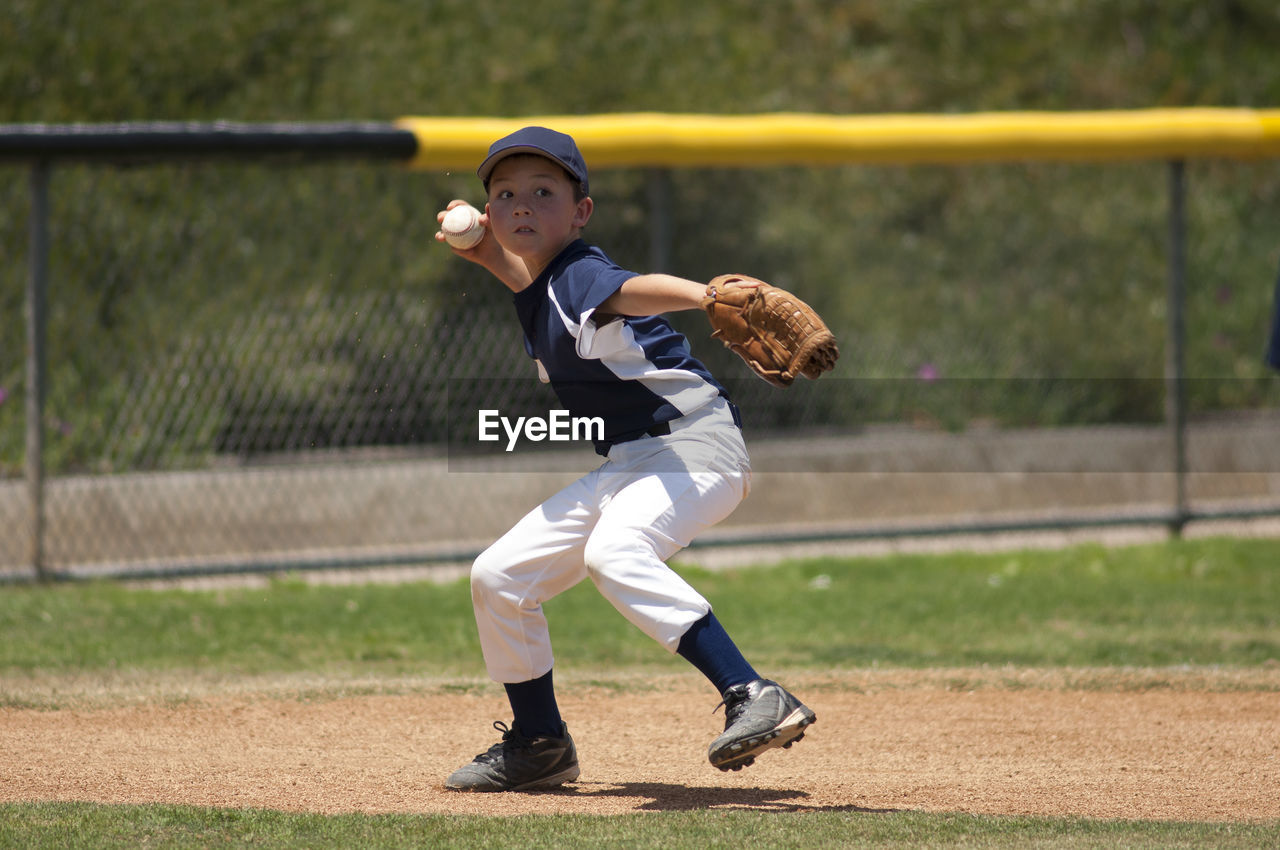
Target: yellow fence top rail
<point x="675" y="140"/>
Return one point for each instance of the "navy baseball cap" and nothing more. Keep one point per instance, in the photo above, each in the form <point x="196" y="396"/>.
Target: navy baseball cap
<point x="543" y="142"/>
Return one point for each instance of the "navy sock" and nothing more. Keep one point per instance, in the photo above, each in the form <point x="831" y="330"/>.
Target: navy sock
<point x="708" y="647"/>
<point x="534" y="705"/>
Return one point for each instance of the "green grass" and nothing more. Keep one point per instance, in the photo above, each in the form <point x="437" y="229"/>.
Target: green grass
<point x="1203" y="602"/>
<point x="72" y="825"/>
<point x="287" y="627"/>
<point x="1212" y="603"/>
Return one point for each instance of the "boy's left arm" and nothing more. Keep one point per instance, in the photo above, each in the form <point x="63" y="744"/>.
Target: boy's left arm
<point x="777" y="334"/>
<point x="651" y="294"/>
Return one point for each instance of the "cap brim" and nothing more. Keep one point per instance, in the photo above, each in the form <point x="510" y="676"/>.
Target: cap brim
<point x="491" y="162"/>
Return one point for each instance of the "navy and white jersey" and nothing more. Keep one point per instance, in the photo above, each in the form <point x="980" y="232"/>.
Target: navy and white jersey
<point x="634" y="373"/>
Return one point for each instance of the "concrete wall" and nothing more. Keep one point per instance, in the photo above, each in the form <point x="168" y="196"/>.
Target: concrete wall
<point x="402" y="509"/>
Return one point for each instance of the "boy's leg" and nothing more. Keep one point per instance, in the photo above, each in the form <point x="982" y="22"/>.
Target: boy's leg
<point x="538" y="558"/>
<point x="646" y="521"/>
<point x="707" y="646"/>
<point x="625" y="558"/>
<point x="658" y="495"/>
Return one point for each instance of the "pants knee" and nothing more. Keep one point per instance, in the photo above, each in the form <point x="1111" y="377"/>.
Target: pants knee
<point x="596" y="556"/>
<point x="488" y="576"/>
<point x="603" y="555"/>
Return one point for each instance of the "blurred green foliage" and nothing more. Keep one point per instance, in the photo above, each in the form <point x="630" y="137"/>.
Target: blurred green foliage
<point x="335" y="59"/>
<point x="1004" y="271"/>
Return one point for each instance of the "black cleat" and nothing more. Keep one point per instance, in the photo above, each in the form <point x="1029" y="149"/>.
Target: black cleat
<point x="517" y="763"/>
<point x="759" y="716"/>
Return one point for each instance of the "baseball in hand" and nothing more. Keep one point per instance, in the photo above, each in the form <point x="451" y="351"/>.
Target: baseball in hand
<point x="461" y="227"/>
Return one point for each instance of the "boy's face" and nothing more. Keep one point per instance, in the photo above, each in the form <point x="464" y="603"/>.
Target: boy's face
<point x="532" y="211"/>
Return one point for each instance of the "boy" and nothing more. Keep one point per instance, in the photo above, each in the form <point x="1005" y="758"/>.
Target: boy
<point x="676" y="465"/>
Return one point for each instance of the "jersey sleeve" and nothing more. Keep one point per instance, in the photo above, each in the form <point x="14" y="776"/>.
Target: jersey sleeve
<point x="578" y="294"/>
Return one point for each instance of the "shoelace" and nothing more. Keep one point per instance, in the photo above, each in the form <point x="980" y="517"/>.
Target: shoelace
<point x="734" y="702"/>
<point x="509" y="736"/>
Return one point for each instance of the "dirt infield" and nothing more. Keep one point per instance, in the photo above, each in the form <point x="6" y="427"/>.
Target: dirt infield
<point x="1182" y="745"/>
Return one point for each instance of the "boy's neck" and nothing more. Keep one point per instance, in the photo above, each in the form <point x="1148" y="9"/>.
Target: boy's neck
<point x="538" y="265"/>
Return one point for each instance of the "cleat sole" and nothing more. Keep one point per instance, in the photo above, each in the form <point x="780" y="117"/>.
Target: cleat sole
<point x="743" y="754"/>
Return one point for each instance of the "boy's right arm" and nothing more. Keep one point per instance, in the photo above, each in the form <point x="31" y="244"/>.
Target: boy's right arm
<point x="500" y="262"/>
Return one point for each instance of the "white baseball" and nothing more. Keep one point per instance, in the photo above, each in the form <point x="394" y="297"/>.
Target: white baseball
<point x="461" y="226"/>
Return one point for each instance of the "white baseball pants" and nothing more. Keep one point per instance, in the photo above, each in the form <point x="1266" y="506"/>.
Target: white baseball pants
<point x="618" y="525"/>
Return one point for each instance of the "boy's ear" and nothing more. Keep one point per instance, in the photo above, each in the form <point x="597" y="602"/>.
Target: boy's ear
<point x="583" y="213"/>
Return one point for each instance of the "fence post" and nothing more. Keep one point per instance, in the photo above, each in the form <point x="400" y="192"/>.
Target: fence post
<point x="37" y="295"/>
<point x="1175" y="344"/>
<point x="658" y="181"/>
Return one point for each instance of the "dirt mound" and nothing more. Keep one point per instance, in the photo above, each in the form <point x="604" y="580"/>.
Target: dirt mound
<point x="1201" y="746"/>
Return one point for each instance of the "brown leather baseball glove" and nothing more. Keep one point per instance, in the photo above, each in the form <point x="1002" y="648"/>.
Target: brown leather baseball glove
<point x="778" y="335"/>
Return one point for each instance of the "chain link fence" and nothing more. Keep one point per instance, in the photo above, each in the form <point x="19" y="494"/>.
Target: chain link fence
<point x="262" y="367"/>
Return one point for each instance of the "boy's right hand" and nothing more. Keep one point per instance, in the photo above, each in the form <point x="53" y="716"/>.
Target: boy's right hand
<point x="476" y="252"/>
<point x="505" y="266"/>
